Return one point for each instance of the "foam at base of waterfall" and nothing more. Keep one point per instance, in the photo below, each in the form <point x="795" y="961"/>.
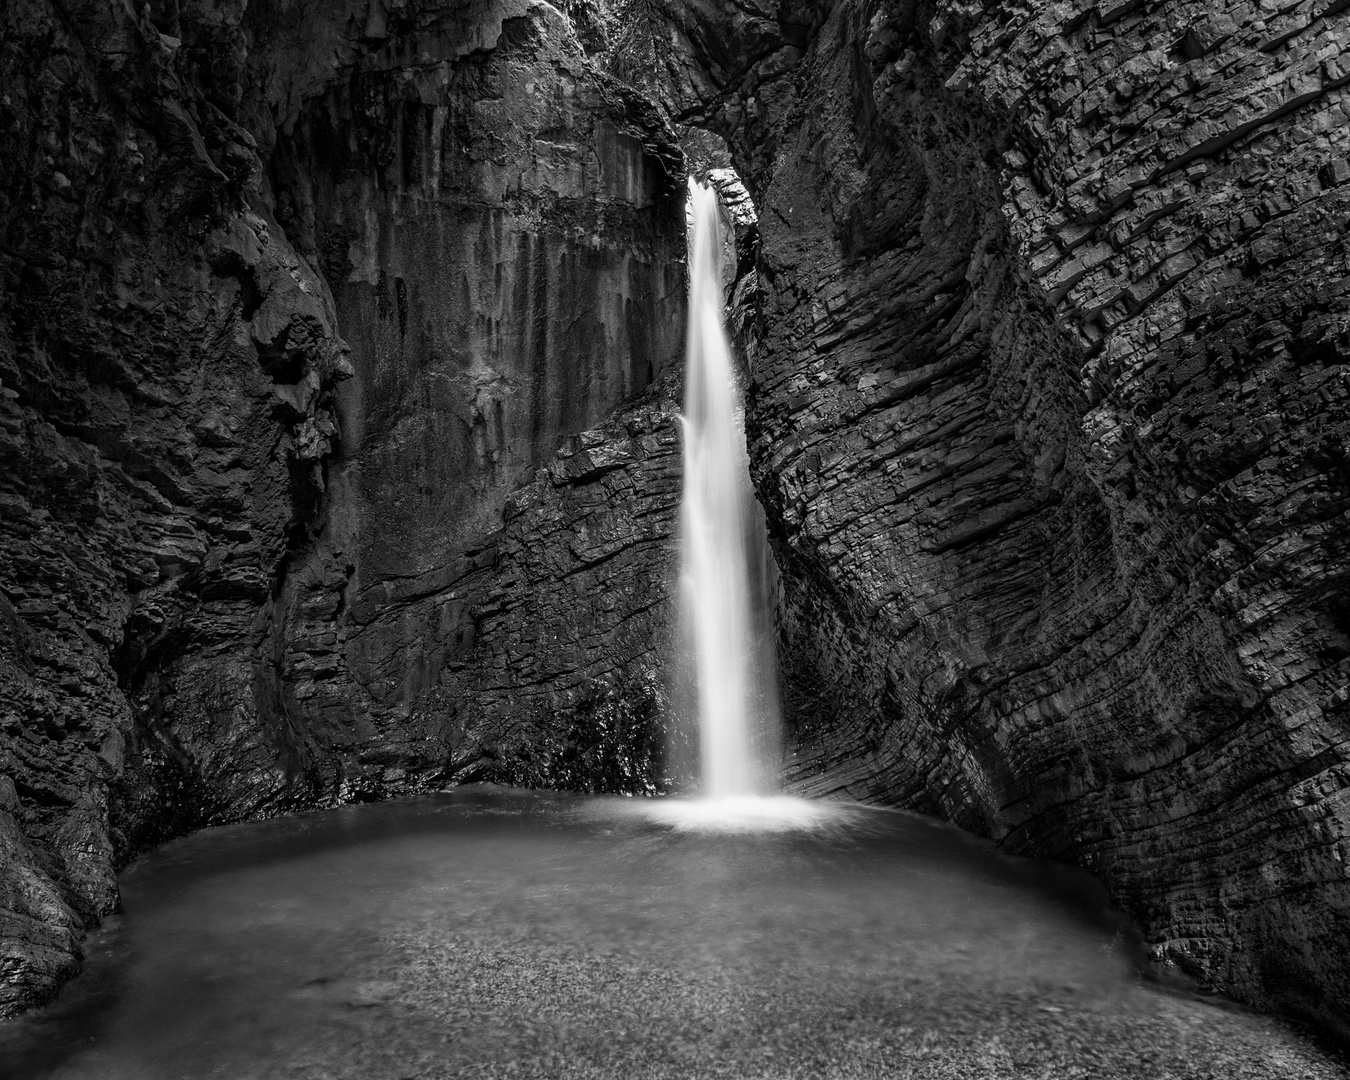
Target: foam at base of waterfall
<point x="743" y="813"/>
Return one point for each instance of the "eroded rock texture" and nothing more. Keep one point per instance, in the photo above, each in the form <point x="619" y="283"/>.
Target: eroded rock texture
<point x="1050" y="416"/>
<point x="153" y="463"/>
<point x="1047" y="340"/>
<point x="504" y="231"/>
<point x="228" y="588"/>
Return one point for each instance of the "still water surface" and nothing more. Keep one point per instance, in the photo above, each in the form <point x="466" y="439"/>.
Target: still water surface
<point x="497" y="933"/>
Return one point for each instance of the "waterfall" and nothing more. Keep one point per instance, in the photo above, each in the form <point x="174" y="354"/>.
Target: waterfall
<point x="724" y="557"/>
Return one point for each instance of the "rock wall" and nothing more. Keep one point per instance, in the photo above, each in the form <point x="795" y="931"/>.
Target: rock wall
<point x="1050" y="416"/>
<point x="230" y="587"/>
<point x="152" y="463"/>
<point x="1047" y="343"/>
<point x="505" y="234"/>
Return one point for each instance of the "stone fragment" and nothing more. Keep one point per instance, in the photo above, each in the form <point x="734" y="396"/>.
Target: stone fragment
<point x="1207" y="34"/>
<point x="1334" y="173"/>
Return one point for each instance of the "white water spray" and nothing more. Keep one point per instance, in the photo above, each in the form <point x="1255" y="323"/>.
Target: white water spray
<point x="722" y="574"/>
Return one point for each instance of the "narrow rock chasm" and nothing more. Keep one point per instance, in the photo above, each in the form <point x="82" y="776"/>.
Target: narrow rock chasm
<point x="338" y="391"/>
<point x="1049" y="417"/>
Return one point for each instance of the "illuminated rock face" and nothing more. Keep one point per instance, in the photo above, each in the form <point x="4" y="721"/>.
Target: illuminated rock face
<point x="1050" y="417"/>
<point x="503" y="231"/>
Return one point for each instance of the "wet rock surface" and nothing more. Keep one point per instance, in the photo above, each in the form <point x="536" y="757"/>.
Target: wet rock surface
<point x="505" y="232"/>
<point x="1050" y="417"/>
<point x="228" y="588"/>
<point x="536" y="657"/>
<point x="1047" y="356"/>
<point x="152" y="464"/>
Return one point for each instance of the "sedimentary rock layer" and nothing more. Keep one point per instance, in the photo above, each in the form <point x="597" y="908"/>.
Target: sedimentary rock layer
<point x="1047" y="341"/>
<point x="1050" y="417"/>
<point x="504" y="233"/>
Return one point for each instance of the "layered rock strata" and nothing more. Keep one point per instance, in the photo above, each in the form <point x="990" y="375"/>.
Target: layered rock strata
<point x="1047" y="345"/>
<point x="1050" y="415"/>
<point x="505" y="233"/>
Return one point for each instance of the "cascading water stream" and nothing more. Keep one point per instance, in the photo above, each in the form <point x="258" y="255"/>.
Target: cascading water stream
<point x="722" y="589"/>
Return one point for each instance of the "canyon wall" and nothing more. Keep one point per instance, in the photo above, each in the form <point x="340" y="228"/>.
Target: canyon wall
<point x="153" y="463"/>
<point x="504" y="233"/>
<point x="339" y="445"/>
<point x="296" y="508"/>
<point x="1050" y="415"/>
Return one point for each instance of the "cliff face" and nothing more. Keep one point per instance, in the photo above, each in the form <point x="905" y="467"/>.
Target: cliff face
<point x="152" y="461"/>
<point x="1050" y="416"/>
<point x="504" y="231"/>
<point x="340" y="455"/>
<point x="229" y="587"/>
